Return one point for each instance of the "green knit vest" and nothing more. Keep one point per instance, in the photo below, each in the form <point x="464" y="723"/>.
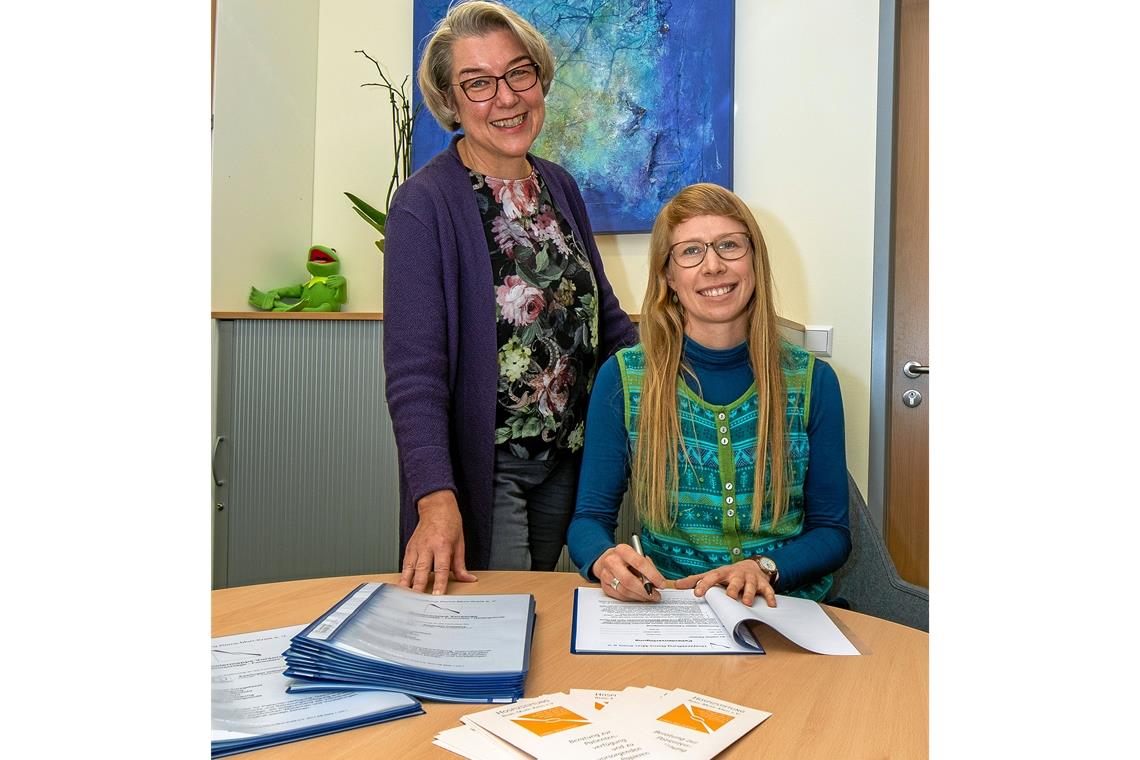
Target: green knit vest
<point x="716" y="472"/>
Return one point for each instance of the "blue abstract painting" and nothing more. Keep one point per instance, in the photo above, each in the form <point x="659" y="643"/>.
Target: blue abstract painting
<point x="641" y="103"/>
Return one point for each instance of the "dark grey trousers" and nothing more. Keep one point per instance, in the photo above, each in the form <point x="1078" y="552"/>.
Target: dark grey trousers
<point x="533" y="504"/>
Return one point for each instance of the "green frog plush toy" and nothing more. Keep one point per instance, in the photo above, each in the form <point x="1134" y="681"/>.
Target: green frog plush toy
<point x="325" y="291"/>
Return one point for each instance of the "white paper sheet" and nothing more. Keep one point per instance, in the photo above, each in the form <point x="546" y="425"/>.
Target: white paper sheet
<point x="679" y="623"/>
<point x="248" y="695"/>
<point x="475" y="744"/>
<point x="800" y="620"/>
<point x="682" y="623"/>
<point x="457" y="634"/>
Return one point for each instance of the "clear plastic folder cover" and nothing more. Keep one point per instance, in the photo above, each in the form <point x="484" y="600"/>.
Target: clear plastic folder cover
<point x="249" y="699"/>
<point x="456" y="634"/>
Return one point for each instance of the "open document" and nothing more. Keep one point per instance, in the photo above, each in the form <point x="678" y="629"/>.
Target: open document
<point x="250" y="708"/>
<point x="462" y="648"/>
<point x="682" y="623"/>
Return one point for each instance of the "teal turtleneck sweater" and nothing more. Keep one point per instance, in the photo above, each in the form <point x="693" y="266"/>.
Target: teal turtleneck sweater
<point x="722" y="376"/>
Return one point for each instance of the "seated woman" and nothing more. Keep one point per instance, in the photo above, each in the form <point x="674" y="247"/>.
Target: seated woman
<point x="685" y="417"/>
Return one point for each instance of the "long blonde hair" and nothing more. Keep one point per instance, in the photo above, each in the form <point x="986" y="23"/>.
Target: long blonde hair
<point x="654" y="474"/>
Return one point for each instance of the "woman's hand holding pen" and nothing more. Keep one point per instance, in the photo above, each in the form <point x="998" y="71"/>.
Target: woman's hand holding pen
<point x="624" y="573"/>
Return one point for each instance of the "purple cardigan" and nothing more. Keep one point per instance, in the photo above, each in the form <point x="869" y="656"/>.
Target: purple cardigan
<point x="440" y="340"/>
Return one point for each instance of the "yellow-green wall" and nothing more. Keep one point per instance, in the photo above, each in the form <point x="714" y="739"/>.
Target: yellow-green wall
<point x="265" y="100"/>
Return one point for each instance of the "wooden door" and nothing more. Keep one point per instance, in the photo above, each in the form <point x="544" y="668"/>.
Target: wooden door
<point x="907" y="479"/>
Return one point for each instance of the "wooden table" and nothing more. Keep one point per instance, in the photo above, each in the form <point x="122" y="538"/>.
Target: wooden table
<point x="873" y="706"/>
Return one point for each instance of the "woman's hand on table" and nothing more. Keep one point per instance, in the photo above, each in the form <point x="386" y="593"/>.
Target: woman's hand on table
<point x="436" y="545"/>
<point x="631" y="571"/>
<point x="741" y="580"/>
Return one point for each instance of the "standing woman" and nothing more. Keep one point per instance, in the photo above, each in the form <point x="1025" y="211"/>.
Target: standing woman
<point x="734" y="437"/>
<point x="497" y="314"/>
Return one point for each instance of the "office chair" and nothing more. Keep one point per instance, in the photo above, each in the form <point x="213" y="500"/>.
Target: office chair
<point x="868" y="581"/>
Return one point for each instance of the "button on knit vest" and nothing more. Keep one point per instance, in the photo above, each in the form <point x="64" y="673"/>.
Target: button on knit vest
<point x="716" y="471"/>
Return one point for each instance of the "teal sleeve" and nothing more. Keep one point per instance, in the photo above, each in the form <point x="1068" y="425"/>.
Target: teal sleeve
<point x="825" y="542"/>
<point x="821" y="548"/>
<point x="605" y="471"/>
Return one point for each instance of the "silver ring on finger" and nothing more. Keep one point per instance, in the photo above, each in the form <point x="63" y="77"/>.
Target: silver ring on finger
<point x="615" y="583"/>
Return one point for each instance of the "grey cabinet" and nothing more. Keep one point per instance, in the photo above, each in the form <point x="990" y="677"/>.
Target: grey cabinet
<point x="304" y="463"/>
<point x="304" y="466"/>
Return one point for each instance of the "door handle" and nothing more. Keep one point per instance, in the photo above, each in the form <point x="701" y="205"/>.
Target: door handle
<point x="214" y="461"/>
<point x="914" y="369"/>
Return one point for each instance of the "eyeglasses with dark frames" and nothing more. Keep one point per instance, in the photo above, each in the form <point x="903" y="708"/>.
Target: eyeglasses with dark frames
<point x="482" y="88"/>
<point x="730" y="247"/>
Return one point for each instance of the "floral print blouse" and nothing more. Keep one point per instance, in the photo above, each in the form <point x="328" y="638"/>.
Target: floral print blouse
<point x="547" y="314"/>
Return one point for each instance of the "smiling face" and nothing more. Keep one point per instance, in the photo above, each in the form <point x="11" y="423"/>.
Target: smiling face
<point x="497" y="132"/>
<point x="716" y="293"/>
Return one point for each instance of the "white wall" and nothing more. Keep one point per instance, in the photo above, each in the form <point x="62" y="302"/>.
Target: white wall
<point x="806" y="89"/>
<point x="354" y="132"/>
<point x="264" y="115"/>
<point x="806" y="74"/>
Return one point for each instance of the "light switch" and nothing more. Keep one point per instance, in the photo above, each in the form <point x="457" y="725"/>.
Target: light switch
<point x="817" y="339"/>
<point x="793" y="335"/>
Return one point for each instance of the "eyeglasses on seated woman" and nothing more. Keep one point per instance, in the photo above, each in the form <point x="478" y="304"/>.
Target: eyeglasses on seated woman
<point x="729" y="439"/>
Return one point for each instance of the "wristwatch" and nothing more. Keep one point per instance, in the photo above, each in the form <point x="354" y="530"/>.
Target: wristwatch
<point x="768" y="565"/>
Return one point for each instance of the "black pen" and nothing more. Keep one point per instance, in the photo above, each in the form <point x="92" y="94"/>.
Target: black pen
<point x="636" y="541"/>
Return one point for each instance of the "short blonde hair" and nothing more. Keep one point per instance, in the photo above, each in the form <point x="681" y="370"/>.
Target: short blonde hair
<point x="475" y="18"/>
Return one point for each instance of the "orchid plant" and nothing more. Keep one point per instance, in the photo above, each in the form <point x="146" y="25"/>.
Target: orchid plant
<point x="403" y="120"/>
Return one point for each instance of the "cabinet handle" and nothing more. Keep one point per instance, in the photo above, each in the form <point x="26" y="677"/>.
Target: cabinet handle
<point x="214" y="461"/>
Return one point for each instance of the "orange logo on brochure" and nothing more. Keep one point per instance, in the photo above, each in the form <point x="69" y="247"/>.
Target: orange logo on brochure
<point x="697" y="718"/>
<point x="550" y="721"/>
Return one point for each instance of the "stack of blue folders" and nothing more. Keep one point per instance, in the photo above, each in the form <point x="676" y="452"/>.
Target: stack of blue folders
<point x="447" y="648"/>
